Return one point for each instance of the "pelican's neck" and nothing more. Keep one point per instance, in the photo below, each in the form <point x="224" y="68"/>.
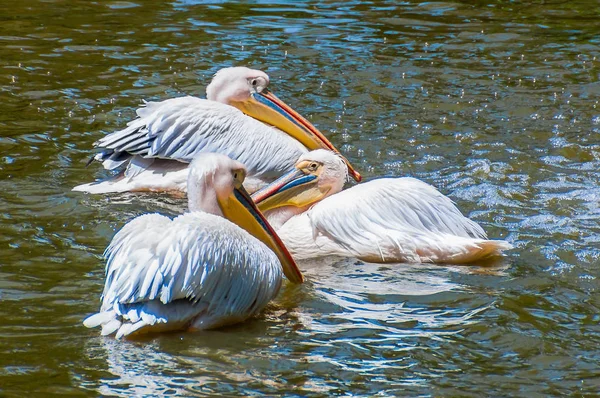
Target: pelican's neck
<point x="203" y="198"/>
<point x="280" y="215"/>
<point x="218" y="96"/>
<point x="225" y="93"/>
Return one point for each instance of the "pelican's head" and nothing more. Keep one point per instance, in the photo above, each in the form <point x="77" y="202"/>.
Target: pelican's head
<point x="215" y="186"/>
<point x="318" y="174"/>
<point x="246" y="89"/>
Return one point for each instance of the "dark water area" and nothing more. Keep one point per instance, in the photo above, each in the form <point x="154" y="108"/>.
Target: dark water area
<point x="493" y="102"/>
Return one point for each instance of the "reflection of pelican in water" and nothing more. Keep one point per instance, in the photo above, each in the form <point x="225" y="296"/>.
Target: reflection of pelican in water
<point x="198" y="270"/>
<point x="209" y="363"/>
<point x="139" y="370"/>
<point x="395" y="300"/>
<point x="154" y="149"/>
<point x="383" y="220"/>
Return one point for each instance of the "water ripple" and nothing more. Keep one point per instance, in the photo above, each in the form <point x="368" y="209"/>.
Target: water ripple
<point x="494" y="103"/>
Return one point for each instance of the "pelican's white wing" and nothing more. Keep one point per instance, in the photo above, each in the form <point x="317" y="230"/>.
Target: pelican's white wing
<point x="388" y="219"/>
<point x="197" y="270"/>
<point x="180" y="128"/>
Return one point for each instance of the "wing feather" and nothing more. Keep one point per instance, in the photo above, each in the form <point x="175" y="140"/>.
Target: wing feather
<point x="202" y="259"/>
<point x="404" y="204"/>
<point x="180" y="128"/>
<point x="385" y="219"/>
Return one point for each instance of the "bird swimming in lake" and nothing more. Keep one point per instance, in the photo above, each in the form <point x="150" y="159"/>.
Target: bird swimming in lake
<point x="154" y="150"/>
<point x="383" y="220"/>
<point x="198" y="270"/>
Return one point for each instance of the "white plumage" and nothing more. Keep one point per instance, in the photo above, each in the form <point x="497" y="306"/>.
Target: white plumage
<point x="166" y="274"/>
<point x="383" y="220"/>
<point x="154" y="149"/>
<point x="196" y="271"/>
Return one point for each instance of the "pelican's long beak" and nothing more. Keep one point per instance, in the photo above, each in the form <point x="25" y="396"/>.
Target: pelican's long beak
<point x="266" y="107"/>
<point x="241" y="210"/>
<point x="292" y="189"/>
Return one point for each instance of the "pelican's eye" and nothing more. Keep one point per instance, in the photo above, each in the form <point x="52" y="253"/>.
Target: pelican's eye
<point x="258" y="84"/>
<point x="313" y="167"/>
<point x="239" y="175"/>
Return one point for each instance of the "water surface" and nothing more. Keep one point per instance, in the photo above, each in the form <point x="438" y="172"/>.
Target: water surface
<point x="493" y="102"/>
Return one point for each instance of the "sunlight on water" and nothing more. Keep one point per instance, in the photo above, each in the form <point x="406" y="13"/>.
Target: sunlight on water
<point x="494" y="103"/>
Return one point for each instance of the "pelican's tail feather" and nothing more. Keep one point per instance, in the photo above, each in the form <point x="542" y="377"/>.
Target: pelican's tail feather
<point x="117" y="184"/>
<point x="478" y="249"/>
<point x="142" y="174"/>
<point x="98" y="319"/>
<point x="127" y="320"/>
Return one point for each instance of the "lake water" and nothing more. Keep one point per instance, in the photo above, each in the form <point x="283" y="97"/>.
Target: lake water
<point x="493" y="102"/>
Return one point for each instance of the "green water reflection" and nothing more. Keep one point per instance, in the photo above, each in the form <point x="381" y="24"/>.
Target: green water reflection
<point x="495" y="103"/>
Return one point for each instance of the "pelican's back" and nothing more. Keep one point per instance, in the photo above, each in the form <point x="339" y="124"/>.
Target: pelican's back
<point x="196" y="271"/>
<point x="389" y="220"/>
<point x="181" y="128"/>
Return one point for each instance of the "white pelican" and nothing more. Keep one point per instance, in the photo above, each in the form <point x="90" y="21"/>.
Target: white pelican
<point x="154" y="149"/>
<point x="199" y="270"/>
<point x="383" y="220"/>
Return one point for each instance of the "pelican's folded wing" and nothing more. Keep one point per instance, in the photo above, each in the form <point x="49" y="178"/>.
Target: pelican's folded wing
<point x="180" y="128"/>
<point x="198" y="257"/>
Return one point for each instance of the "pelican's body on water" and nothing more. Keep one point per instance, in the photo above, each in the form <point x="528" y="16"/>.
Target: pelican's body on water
<point x="383" y="220"/>
<point x="199" y="270"/>
<point x="153" y="151"/>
